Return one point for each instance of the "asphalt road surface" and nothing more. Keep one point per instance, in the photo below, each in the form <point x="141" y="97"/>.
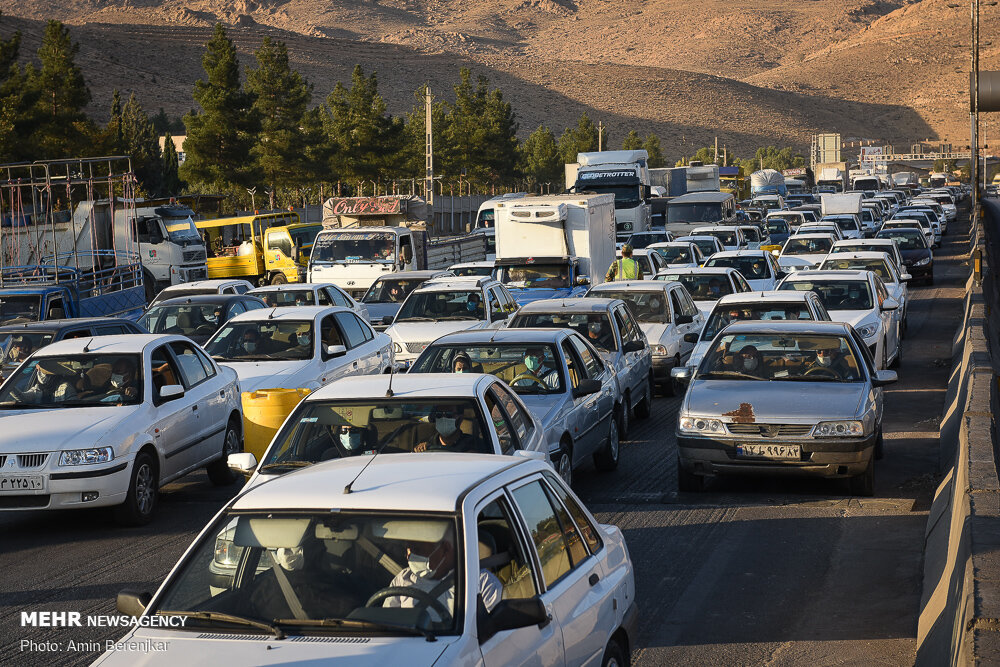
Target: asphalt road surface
<point x="750" y="572"/>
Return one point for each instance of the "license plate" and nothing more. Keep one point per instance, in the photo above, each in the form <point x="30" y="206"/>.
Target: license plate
<point x="21" y="483"/>
<point x="764" y="451"/>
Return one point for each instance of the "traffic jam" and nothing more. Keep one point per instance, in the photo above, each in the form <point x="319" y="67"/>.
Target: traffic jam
<point x="406" y="415"/>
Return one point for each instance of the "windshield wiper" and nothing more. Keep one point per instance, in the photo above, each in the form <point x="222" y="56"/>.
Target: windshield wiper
<point x="416" y="318"/>
<point x="810" y="378"/>
<point x="285" y="464"/>
<point x="356" y="624"/>
<point x="227" y="618"/>
<point x="730" y="374"/>
<point x="458" y="317"/>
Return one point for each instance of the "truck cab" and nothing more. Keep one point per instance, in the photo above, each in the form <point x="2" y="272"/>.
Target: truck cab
<point x="353" y="258"/>
<point x="267" y="248"/>
<point x="625" y="175"/>
<point x="171" y="249"/>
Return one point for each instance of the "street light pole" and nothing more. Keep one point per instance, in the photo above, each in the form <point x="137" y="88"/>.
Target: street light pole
<point x="974" y="172"/>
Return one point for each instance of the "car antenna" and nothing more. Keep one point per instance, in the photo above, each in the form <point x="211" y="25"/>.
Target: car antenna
<point x="388" y="390"/>
<point x="347" y="489"/>
<point x="270" y="315"/>
<point x="86" y="347"/>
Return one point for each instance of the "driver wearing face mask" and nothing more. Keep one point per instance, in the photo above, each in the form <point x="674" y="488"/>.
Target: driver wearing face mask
<point x="748" y="361"/>
<point x="449" y="436"/>
<point x="354" y="439"/>
<point x="536" y="371"/>
<point x="251" y="344"/>
<point x="474" y="305"/>
<point x="122" y="385"/>
<point x="832" y="360"/>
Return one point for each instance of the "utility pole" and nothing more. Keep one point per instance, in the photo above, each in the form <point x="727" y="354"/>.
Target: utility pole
<point x="716" y="154"/>
<point x="600" y="135"/>
<point x="974" y="173"/>
<point x="428" y="148"/>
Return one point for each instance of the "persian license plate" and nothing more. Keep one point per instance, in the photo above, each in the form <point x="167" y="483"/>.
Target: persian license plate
<point x="21" y="483"/>
<point x="766" y="451"/>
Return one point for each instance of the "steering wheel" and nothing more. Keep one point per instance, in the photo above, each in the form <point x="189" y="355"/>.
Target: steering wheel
<point x="423" y="598"/>
<point x="531" y="377"/>
<point x="824" y="372"/>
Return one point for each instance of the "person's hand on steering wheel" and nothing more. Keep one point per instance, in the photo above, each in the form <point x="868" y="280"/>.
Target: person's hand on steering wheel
<point x="534" y="379"/>
<point x="823" y="371"/>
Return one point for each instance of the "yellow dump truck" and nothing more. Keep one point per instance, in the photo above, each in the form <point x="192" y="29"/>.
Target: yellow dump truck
<point x="266" y="248"/>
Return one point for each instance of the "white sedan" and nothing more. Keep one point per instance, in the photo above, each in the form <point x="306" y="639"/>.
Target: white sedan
<point x="706" y="285"/>
<point x="679" y="254"/>
<point x="309" y="294"/>
<point x="758" y="267"/>
<point x="305" y="347"/>
<point x="412" y="559"/>
<point x="805" y="249"/>
<point x="97" y="422"/>
<point x="885" y="268"/>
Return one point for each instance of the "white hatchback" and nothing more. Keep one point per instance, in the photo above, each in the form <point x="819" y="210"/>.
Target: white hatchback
<point x="758" y="267"/>
<point x="308" y="294"/>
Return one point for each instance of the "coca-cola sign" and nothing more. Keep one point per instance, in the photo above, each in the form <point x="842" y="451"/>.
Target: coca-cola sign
<point x="366" y="206"/>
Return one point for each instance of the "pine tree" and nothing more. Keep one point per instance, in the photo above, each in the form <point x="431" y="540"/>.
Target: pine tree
<point x="281" y="97"/>
<point x="581" y="139"/>
<point x="632" y="142"/>
<point x="18" y="97"/>
<point x="171" y="176"/>
<point x="541" y="161"/>
<point x="113" y="131"/>
<point x="140" y="141"/>
<point x="219" y="137"/>
<point x="652" y="146"/>
<point x="63" y="94"/>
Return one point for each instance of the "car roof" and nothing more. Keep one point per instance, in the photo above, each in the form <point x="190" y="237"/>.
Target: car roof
<point x="633" y="285"/>
<point x="866" y="254"/>
<point x="470" y="265"/>
<point x="589" y="304"/>
<point x="59" y="325"/>
<point x="715" y="270"/>
<point x="202" y="298"/>
<point x="814" y="235"/>
<point x="289" y="313"/>
<point x="456" y="282"/>
<point x="740" y="253"/>
<point x="702" y="197"/>
<point x="769" y="295"/>
<point x="669" y="244"/>
<point x="696" y="237"/>
<point x="216" y="283"/>
<point x="430" y="482"/>
<point x="719" y="228"/>
<point x="410" y="275"/>
<point x="117" y="344"/>
<point x="404" y="385"/>
<point x="822" y="275"/>
<point x="293" y="286"/>
<point x="867" y="241"/>
<point x="502" y="336"/>
<point x="788" y="326"/>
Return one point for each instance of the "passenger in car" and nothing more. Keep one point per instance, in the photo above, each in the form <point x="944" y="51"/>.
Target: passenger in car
<point x="449" y="436"/>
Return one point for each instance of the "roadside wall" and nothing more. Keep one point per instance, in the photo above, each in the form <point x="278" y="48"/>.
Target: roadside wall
<point x="959" y="620"/>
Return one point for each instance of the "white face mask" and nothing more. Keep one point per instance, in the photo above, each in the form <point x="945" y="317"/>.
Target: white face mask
<point x="445" y="425"/>
<point x="45" y="379"/>
<point x="419" y="565"/>
<point x="290" y="558"/>
<point x="824" y="359"/>
<point x="304" y="340"/>
<point x="250" y="346"/>
<point x="351" y="439"/>
<point x="117" y="380"/>
<point x="750" y="364"/>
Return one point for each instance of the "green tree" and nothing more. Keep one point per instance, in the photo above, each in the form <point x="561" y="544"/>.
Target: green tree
<point x="581" y="139"/>
<point x="172" y="184"/>
<point x="771" y="157"/>
<point x="632" y="142"/>
<point x="480" y="132"/>
<point x="280" y="100"/>
<point x="140" y="141"/>
<point x="219" y="137"/>
<point x="64" y="130"/>
<point x="540" y="159"/>
<point x="113" y="132"/>
<point x="652" y="146"/>
<point x="707" y="155"/>
<point x="414" y="136"/>
<point x="18" y="97"/>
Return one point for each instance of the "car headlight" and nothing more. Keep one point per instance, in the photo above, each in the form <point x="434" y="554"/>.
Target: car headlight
<point x="700" y="425"/>
<point x="82" y="457"/>
<point x="396" y="347"/>
<point x="659" y="349"/>
<point x="922" y="262"/>
<point x="868" y="330"/>
<point x="842" y="429"/>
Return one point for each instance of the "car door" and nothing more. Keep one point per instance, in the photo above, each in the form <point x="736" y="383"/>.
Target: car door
<point x="596" y="369"/>
<point x="499" y="525"/>
<point x="207" y="390"/>
<point x="360" y="358"/>
<point x="679" y="307"/>
<point x="584" y="418"/>
<point x="630" y="360"/>
<point x="571" y="577"/>
<point x="891" y="319"/>
<point x="176" y="426"/>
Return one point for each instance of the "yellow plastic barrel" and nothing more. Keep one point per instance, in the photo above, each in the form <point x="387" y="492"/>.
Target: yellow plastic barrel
<point x="264" y="411"/>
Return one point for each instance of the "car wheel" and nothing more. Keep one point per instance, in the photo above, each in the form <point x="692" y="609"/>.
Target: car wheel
<point x="143" y="488"/>
<point x="879" y="447"/>
<point x="863" y="484"/>
<point x="672" y="387"/>
<point x="645" y="406"/>
<point x="613" y="655"/>
<point x="279" y="279"/>
<point x="607" y="458"/>
<point x="218" y="470"/>
<point x="564" y="464"/>
<point x="687" y="481"/>
<point x="149" y="286"/>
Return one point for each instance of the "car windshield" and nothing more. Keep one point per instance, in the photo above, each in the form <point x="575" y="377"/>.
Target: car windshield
<point x="182" y="230"/>
<point x="486" y="270"/>
<point x="701" y="287"/>
<point x="595" y="327"/>
<point x="443" y="305"/>
<point x="486" y="218"/>
<point x="906" y="240"/>
<point x="644" y="240"/>
<point x="286" y="297"/>
<point x="646" y="305"/>
<point x="751" y="233"/>
<point x="527" y="369"/>
<point x="74" y="381"/>
<point x="18" y="308"/>
<point x="391" y="290"/>
<point x="876" y="265"/>
<point x="781" y="357"/>
<point x="682" y="212"/>
<point x="752" y="268"/>
<point x="807" y="246"/>
<point x="189" y="319"/>
<point x="536" y="275"/>
<point x="723" y="315"/>
<point x="354" y="247"/>
<point x="17" y="346"/>
<point x="320" y="573"/>
<point x="339" y="429"/>
<point x="263" y="340"/>
<point x="706" y="246"/>
<point x="766" y="204"/>
<point x="836" y="294"/>
<point x="677" y="254"/>
<point x="779" y="224"/>
<point x="190" y="291"/>
<point x="728" y="238"/>
<point x="846" y="223"/>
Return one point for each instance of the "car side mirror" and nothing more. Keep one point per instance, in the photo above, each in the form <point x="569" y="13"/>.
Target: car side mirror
<point x="511" y="615"/>
<point x="890" y="304"/>
<point x="171" y="392"/>
<point x="883" y="378"/>
<point x="582" y="280"/>
<point x="132" y="603"/>
<point x="690" y="338"/>
<point x="336" y="350"/>
<point x="56" y="313"/>
<point x="681" y="374"/>
<point x="906" y="277"/>
<point x="684" y="319"/>
<point x="242" y="462"/>
<point x="634" y="346"/>
<point x="586" y="388"/>
<point x="387" y="319"/>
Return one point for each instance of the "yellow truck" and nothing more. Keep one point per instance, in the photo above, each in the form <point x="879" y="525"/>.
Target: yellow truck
<point x="266" y="248"/>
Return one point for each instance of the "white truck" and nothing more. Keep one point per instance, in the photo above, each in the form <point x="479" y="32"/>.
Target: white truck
<point x="624" y="174"/>
<point x="866" y="181"/>
<point x="364" y="238"/>
<point x="831" y="174"/>
<point x="554" y="246"/>
<point x="846" y="203"/>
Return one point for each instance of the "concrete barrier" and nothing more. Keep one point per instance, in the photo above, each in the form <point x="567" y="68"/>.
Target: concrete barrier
<point x="959" y="621"/>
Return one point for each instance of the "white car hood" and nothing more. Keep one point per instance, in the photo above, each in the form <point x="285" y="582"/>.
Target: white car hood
<point x="656" y="332"/>
<point x="706" y="306"/>
<point x="60" y="428"/>
<point x="256" y="375"/>
<point x="762" y="285"/>
<point x="194" y="648"/>
<point x="856" y="318"/>
<point x="416" y="332"/>
<point x="797" y="261"/>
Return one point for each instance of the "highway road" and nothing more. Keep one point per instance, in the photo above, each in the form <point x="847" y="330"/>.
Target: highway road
<point x="751" y="571"/>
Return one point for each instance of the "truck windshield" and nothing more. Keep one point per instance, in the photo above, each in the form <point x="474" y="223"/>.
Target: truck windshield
<point x="182" y="230"/>
<point x="457" y="305"/>
<point x="486" y="218"/>
<point x="626" y="196"/>
<point x="355" y="247"/>
<point x="73" y="381"/>
<point x="264" y="340"/>
<point x="535" y="275"/>
<point x="694" y="213"/>
<point x="20" y="308"/>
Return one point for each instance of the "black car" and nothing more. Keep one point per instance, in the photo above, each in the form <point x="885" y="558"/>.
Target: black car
<point x="17" y="341"/>
<point x="917" y="257"/>
<point x="197" y="316"/>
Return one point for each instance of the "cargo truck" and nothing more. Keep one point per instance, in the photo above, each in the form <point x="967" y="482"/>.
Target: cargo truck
<point x="625" y="175"/>
<point x="831" y="174"/>
<point x="554" y="246"/>
<point x="767" y="182"/>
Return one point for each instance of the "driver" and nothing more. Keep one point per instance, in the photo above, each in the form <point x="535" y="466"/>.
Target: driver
<point x="19" y="350"/>
<point x="537" y="371"/>
<point x="449" y="436"/>
<point x="597" y="334"/>
<point x="832" y="360"/>
<point x="474" y="304"/>
<point x="49" y="384"/>
<point x="397" y="292"/>
<point x="715" y="288"/>
<point x="250" y="343"/>
<point x="122" y="384"/>
<point x="461" y="364"/>
<point x="748" y="360"/>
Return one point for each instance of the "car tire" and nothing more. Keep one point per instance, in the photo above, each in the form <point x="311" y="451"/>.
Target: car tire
<point x="614" y="656"/>
<point x="879" y="450"/>
<point x="143" y="489"/>
<point x="863" y="484"/>
<point x="564" y="464"/>
<point x="672" y="387"/>
<point x="687" y="481"/>
<point x="218" y="470"/>
<point x="149" y="286"/>
<point x="279" y="279"/>
<point x="645" y="406"/>
<point x="606" y="459"/>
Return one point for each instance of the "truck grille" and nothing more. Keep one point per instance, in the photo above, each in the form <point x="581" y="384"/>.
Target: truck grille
<point x="31" y="460"/>
<point x="417" y="347"/>
<point x="194" y="256"/>
<point x="195" y="274"/>
<point x="770" y="430"/>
